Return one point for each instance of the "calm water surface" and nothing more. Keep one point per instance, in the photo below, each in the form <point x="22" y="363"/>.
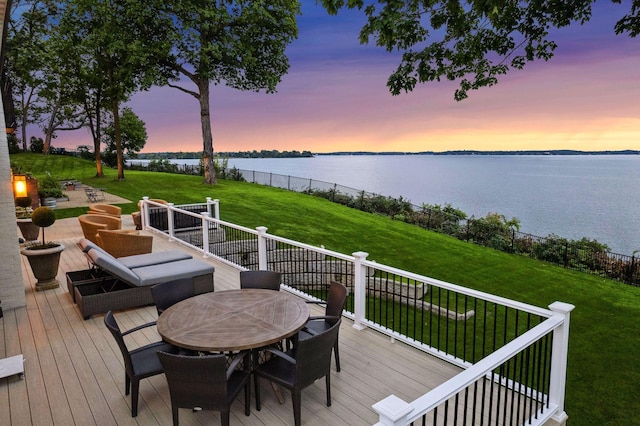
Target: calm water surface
<point x="571" y="196"/>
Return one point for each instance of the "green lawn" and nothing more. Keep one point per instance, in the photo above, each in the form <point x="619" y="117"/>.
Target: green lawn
<point x="603" y="386"/>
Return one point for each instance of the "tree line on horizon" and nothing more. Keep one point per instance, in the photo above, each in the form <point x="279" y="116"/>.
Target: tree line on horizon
<point x="264" y="153"/>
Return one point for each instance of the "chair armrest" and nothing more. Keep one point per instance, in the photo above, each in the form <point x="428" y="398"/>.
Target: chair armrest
<point x="140" y="327"/>
<point x="316" y="302"/>
<point x="279" y="353"/>
<point x="236" y="360"/>
<point x="323" y="317"/>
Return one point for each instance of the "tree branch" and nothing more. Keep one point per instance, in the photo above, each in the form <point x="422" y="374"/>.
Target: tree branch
<point x="182" y="89"/>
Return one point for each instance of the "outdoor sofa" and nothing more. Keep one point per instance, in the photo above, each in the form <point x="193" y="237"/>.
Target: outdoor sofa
<point x="120" y="283"/>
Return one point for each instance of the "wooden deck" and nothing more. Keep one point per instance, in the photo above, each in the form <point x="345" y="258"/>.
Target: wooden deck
<point x="74" y="371"/>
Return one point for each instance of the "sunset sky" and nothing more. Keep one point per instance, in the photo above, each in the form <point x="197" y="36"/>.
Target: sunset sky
<point x="334" y="98"/>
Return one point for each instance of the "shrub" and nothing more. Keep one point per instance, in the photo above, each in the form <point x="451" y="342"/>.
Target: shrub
<point x="49" y="187"/>
<point x="24" y="204"/>
<point x="43" y="217"/>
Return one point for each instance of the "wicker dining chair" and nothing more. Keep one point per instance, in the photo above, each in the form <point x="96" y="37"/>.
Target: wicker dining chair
<point x="269" y="280"/>
<point x="336" y="299"/>
<point x="139" y="363"/>
<point x="206" y="382"/>
<point x="300" y="367"/>
<point x="169" y="293"/>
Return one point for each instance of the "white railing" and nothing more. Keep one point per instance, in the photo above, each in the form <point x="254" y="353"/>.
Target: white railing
<point x="255" y="248"/>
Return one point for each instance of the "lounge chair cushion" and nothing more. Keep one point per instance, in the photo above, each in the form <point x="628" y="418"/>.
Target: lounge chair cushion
<point x="87" y="245"/>
<point x="138" y="260"/>
<point x="110" y="264"/>
<point x="150" y="275"/>
<point x="150" y="259"/>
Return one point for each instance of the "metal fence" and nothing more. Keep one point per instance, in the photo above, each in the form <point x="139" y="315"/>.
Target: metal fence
<point x="578" y="255"/>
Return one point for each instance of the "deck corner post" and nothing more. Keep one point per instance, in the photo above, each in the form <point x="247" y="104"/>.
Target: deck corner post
<point x="262" y="247"/>
<point x="559" y="356"/>
<point x="171" y="228"/>
<point x="205" y="233"/>
<point x="392" y="411"/>
<point x="359" y="289"/>
<point x="216" y="208"/>
<point x="144" y="211"/>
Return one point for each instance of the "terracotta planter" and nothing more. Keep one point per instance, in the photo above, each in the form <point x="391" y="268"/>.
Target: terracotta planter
<point x="44" y="264"/>
<point x="29" y="231"/>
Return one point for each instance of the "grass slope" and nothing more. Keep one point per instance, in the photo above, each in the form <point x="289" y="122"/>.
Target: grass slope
<point x="603" y="384"/>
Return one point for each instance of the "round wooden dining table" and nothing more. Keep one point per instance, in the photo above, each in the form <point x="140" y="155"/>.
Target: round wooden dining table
<point x="233" y="320"/>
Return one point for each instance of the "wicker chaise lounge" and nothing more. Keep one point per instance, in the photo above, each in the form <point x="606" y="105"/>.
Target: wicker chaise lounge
<point x="114" y="284"/>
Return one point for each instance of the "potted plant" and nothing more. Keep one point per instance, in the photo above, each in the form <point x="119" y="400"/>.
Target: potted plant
<point x="49" y="190"/>
<point x="29" y="230"/>
<point x="44" y="257"/>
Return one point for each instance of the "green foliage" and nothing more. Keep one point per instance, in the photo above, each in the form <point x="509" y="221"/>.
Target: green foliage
<point x="48" y="186"/>
<point x="27" y="49"/>
<point x="163" y="165"/>
<point x="23" y="210"/>
<point x="494" y="231"/>
<point x="23" y="202"/>
<point x="132" y="139"/>
<point x="43" y="217"/>
<point x="235" y="174"/>
<point x="474" y="43"/>
<point x="36" y="145"/>
<point x="220" y="165"/>
<point x="85" y="152"/>
<point x="14" y="146"/>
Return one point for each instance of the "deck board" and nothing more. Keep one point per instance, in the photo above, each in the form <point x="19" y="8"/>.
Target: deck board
<point x="74" y="372"/>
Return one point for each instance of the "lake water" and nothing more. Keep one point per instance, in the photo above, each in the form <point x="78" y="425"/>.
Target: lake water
<point x="571" y="196"/>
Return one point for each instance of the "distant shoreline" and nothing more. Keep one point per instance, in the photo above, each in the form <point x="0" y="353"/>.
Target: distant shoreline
<point x="307" y="154"/>
<point x="474" y="152"/>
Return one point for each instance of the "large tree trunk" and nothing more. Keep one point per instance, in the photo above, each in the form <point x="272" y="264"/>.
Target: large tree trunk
<point x="207" y="138"/>
<point x="98" y="159"/>
<point x="23" y="122"/>
<point x="96" y="131"/>
<point x="116" y="126"/>
<point x="23" y="128"/>
<point x="50" y="126"/>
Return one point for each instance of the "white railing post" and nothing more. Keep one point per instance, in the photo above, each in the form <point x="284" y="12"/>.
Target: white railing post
<point x="216" y="209"/>
<point x="205" y="233"/>
<point x="170" y="221"/>
<point x="144" y="212"/>
<point x="262" y="247"/>
<point x="392" y="411"/>
<point x="359" y="289"/>
<point x="559" y="361"/>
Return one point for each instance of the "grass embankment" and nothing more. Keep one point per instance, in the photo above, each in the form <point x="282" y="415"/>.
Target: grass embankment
<point x="603" y="384"/>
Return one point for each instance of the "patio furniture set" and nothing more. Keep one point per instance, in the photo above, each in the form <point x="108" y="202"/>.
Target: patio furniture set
<point x="211" y="345"/>
<point x="199" y="326"/>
